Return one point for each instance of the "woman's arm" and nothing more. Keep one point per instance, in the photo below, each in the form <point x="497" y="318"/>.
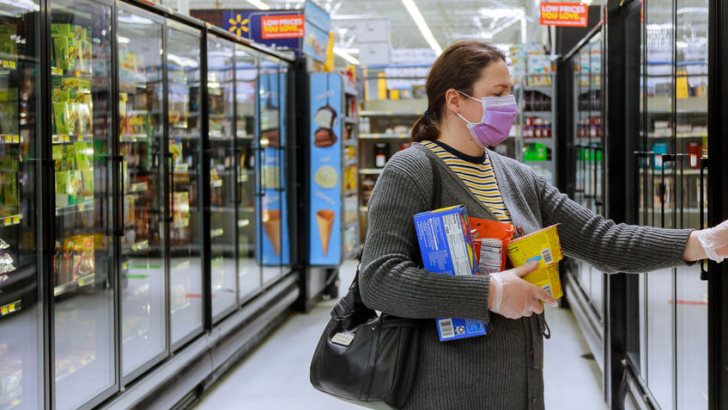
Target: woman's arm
<point x="612" y="247"/>
<point x="390" y="278"/>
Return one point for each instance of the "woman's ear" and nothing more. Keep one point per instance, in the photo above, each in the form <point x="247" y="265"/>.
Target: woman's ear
<point x="453" y="100"/>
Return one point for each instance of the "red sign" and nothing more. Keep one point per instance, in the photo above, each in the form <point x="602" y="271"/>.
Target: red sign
<point x="282" y="26"/>
<point x="564" y="14"/>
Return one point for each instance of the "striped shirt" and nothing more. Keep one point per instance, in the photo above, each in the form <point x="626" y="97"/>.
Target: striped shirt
<point x="477" y="174"/>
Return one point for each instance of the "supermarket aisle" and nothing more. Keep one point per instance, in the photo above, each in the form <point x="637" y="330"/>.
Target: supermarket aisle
<point x="276" y="375"/>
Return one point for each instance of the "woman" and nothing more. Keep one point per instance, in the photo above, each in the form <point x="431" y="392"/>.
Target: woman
<point x="471" y="107"/>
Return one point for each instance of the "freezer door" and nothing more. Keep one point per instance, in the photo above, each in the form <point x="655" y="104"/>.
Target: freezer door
<point x="20" y="309"/>
<point x="82" y="266"/>
<point x="221" y="123"/>
<point x="268" y="148"/>
<point x="246" y="95"/>
<point x="141" y="144"/>
<point x="183" y="161"/>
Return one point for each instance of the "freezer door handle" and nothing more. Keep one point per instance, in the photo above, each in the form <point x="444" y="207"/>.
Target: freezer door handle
<point x="704" y="163"/>
<point x="237" y="152"/>
<point x="169" y="218"/>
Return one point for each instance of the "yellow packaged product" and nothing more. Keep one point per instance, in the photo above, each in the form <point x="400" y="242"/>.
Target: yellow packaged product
<point x="544" y="247"/>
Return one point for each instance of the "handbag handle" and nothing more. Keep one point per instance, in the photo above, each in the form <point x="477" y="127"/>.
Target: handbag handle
<point x="352" y="302"/>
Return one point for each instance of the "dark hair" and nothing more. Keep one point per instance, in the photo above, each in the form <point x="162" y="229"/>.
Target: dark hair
<point x="458" y="67"/>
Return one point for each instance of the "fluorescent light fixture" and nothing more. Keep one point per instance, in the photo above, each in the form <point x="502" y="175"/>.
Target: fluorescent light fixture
<point x="502" y="12"/>
<point x="346" y="56"/>
<point x="422" y="25"/>
<point x="259" y="4"/>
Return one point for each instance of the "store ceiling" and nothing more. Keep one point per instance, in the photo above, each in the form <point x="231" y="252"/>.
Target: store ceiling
<point x="498" y="21"/>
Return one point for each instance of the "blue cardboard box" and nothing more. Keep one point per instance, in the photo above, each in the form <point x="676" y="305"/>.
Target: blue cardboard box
<point x="447" y="248"/>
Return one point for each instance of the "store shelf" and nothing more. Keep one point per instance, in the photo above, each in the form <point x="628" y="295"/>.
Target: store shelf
<point x="67" y="139"/>
<point x="11" y="220"/>
<point x="139" y="187"/>
<point x="375" y="136"/>
<point x="390" y="113"/>
<point x="74" y="285"/>
<point x="681" y="135"/>
<point x="72" y="209"/>
<point x="547" y="141"/>
<point x="669" y="172"/>
<point x="351" y="143"/>
<point x="351" y="120"/>
<point x="9" y="139"/>
<point x="220" y="137"/>
<point x="371" y="171"/>
<point x="70" y="368"/>
<point x="133" y="138"/>
<point x="547" y="114"/>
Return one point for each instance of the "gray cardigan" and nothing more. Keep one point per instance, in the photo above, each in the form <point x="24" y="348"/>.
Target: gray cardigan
<point x="504" y="369"/>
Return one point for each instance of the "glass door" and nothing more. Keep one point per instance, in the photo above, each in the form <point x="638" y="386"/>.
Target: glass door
<point x="82" y="265"/>
<point x="285" y="243"/>
<point x="269" y="165"/>
<point x="657" y="196"/>
<point x="183" y="159"/>
<point x="691" y="95"/>
<point x="141" y="92"/>
<point x="246" y="96"/>
<point x="20" y="313"/>
<point x="223" y="223"/>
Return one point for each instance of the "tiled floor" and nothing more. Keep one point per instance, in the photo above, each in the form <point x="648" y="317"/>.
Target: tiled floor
<point x="275" y="376"/>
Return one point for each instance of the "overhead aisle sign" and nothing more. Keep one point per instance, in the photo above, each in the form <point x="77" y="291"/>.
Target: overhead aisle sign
<point x="564" y="14"/>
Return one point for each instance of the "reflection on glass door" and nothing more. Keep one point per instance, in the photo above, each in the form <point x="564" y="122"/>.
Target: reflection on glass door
<point x="246" y="91"/>
<point x="183" y="158"/>
<point x="268" y="160"/>
<point x="221" y="91"/>
<point x="691" y="90"/>
<point x="20" y="337"/>
<point x="657" y="202"/>
<point x="141" y="146"/>
<point x="82" y="265"/>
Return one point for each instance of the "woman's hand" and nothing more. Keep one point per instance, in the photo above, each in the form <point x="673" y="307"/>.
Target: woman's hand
<point x="513" y="297"/>
<point x="709" y="243"/>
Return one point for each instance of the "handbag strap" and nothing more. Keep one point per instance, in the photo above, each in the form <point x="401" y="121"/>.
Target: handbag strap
<point x="352" y="300"/>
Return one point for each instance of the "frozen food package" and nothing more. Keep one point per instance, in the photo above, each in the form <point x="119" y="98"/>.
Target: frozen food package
<point x="446" y="246"/>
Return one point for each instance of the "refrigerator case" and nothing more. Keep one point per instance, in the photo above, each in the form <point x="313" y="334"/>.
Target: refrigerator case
<point x="221" y="100"/>
<point x="141" y="144"/>
<point x="81" y="146"/>
<point x="183" y="161"/>
<point x="20" y="373"/>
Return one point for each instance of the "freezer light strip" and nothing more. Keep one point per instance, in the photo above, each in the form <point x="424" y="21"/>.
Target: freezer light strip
<point x="414" y="11"/>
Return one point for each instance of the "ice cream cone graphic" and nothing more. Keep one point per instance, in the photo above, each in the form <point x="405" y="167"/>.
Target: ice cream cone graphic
<point x="272" y="226"/>
<point x="325" y="221"/>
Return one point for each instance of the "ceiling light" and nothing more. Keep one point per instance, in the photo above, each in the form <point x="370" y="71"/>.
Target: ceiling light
<point x="259" y="4"/>
<point x="422" y="25"/>
<point x="346" y="56"/>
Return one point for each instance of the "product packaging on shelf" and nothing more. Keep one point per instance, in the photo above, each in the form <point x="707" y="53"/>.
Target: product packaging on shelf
<point x="447" y="248"/>
<point x="544" y="247"/>
<point x="8" y="43"/>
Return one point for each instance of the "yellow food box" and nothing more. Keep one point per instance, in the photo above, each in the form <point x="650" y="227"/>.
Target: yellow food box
<point x="544" y="247"/>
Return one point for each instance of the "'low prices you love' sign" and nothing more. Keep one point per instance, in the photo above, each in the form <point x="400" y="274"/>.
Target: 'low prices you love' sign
<point x="564" y="14"/>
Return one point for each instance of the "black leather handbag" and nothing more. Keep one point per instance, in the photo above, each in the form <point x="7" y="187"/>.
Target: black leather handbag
<point x="366" y="357"/>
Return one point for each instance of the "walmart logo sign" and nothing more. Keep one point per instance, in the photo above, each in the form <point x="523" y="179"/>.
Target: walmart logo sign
<point x="236" y="24"/>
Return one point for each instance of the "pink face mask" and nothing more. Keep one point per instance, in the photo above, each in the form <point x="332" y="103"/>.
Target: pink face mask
<point x="499" y="114"/>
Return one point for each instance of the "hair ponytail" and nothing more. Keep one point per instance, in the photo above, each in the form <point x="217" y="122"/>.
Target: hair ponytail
<point x="458" y="67"/>
<point x="425" y="128"/>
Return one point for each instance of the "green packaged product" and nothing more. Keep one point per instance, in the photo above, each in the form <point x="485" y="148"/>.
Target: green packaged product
<point x="61" y="52"/>
<point x="84" y="154"/>
<point x="60" y="117"/>
<point x="62" y="189"/>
